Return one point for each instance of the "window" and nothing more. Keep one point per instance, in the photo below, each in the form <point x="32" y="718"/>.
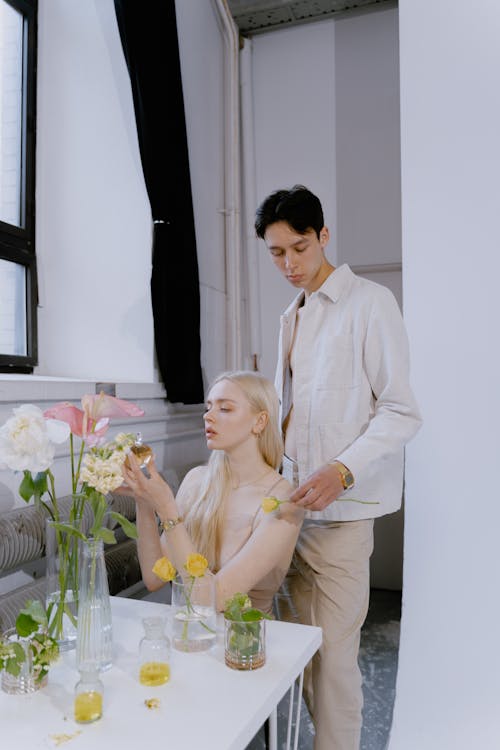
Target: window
<point x="18" y="285"/>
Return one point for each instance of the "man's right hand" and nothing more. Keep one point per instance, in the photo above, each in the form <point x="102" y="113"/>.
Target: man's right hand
<point x="321" y="489"/>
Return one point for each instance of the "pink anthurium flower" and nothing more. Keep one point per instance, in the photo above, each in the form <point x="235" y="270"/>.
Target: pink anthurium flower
<point x="98" y="406"/>
<point x="92" y="422"/>
<point x="90" y="430"/>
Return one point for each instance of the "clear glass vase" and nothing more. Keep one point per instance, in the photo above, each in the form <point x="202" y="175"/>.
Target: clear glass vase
<point x="94" y="634"/>
<point x="193" y="613"/>
<point x="61" y="551"/>
<point x="27" y="680"/>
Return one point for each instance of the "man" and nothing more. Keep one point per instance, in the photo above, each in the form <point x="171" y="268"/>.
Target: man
<point x="347" y="412"/>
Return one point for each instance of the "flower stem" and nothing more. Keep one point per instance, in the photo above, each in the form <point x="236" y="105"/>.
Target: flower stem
<point x="191" y="610"/>
<point x="354" y="500"/>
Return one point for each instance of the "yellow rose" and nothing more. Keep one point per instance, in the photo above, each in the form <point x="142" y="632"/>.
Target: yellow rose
<point x="164" y="569"/>
<point x="270" y="503"/>
<point x="196" y="565"/>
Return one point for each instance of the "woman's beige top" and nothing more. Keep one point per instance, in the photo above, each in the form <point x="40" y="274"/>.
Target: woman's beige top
<point x="256" y="547"/>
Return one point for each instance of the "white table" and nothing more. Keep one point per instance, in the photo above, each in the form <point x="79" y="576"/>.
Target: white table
<point x="204" y="705"/>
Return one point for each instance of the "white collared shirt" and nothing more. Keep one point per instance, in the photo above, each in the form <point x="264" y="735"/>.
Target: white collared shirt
<point x="351" y="395"/>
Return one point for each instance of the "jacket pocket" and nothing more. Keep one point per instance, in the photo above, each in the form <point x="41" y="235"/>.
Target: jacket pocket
<point x="335" y="368"/>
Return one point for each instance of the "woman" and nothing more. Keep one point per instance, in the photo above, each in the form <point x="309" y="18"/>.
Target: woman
<point x="217" y="511"/>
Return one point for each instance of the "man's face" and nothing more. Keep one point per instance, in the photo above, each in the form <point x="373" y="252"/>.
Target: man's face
<point x="299" y="257"/>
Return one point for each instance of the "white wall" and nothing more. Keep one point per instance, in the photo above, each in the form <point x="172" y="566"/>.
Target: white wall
<point x="293" y="142"/>
<point x="94" y="220"/>
<point x="448" y="693"/>
<point x="94" y="226"/>
<point x="366" y="78"/>
<point x="93" y="216"/>
<point x="328" y="117"/>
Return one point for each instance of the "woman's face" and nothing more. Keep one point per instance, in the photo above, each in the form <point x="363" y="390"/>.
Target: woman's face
<point x="229" y="419"/>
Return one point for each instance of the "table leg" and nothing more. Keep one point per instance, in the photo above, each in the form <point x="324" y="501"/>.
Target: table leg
<point x="297" y="713"/>
<point x="273" y="729"/>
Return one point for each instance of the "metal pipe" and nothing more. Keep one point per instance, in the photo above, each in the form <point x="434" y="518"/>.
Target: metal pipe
<point x="249" y="202"/>
<point x="231" y="208"/>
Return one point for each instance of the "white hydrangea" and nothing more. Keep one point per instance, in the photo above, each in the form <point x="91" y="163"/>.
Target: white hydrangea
<point x="103" y="472"/>
<point x="124" y="440"/>
<point x="27" y="440"/>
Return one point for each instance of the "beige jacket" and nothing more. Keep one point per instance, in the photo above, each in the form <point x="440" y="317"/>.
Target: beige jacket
<point x="351" y="394"/>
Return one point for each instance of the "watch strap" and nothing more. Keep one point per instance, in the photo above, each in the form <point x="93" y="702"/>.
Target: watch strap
<point x="346" y="476"/>
<point x="170" y="523"/>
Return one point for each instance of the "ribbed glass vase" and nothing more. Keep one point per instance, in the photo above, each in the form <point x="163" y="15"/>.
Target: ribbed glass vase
<point x="94" y="642"/>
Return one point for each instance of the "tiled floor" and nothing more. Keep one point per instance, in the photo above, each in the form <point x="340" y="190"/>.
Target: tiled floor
<point x="378" y="660"/>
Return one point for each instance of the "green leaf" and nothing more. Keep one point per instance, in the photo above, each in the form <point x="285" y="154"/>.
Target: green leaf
<point x="239" y="607"/>
<point x="128" y="527"/>
<point x="36" y="611"/>
<point x="252" y="615"/>
<point x="25" y="624"/>
<point x="69" y="529"/>
<point x="30" y="618"/>
<point x="99" y="507"/>
<point x="27" y="487"/>
<point x="107" y="535"/>
<point x="13" y="665"/>
<point x="40" y="484"/>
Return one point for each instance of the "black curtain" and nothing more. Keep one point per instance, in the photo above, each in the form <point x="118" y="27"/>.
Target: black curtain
<point x="148" y="33"/>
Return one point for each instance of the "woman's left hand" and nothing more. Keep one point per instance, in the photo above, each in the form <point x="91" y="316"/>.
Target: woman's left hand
<point x="151" y="489"/>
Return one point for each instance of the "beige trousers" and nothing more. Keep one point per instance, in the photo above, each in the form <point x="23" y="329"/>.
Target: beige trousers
<point x="329" y="585"/>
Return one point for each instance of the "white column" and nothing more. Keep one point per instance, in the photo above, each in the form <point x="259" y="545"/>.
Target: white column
<point x="448" y="693"/>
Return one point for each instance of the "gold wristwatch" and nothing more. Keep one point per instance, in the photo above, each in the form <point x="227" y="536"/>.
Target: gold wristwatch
<point x="346" y="476"/>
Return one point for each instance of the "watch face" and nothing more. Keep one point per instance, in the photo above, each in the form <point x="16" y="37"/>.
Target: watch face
<point x="348" y="480"/>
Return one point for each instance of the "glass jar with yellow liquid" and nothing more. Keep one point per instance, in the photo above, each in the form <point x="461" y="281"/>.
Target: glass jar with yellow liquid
<point x="89" y="692"/>
<point x="154" y="653"/>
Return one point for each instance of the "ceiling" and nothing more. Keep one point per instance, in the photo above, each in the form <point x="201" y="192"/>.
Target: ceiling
<point x="256" y="16"/>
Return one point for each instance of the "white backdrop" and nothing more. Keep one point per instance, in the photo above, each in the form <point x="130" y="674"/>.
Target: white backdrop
<point x="448" y="693"/>
<point x="93" y="214"/>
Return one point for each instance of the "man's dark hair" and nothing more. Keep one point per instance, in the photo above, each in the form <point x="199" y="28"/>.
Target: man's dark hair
<point x="300" y="208"/>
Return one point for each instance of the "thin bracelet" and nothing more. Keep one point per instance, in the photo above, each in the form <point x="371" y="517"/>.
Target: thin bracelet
<point x="170" y="523"/>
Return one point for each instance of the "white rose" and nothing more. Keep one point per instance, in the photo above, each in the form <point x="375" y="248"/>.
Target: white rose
<point x="27" y="440"/>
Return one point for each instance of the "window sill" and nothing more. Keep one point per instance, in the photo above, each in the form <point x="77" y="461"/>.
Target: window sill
<point x="48" y="388"/>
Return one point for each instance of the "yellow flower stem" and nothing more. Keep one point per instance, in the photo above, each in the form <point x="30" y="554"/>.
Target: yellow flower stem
<point x="190" y="608"/>
<point x="354" y="500"/>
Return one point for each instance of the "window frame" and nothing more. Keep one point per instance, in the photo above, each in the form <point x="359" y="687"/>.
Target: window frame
<point x="17" y="244"/>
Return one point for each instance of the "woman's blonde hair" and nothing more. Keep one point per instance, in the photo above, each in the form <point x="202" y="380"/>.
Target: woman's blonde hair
<point x="204" y="518"/>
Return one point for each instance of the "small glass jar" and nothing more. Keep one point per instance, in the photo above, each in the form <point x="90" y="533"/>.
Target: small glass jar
<point x="89" y="692"/>
<point x="154" y="653"/>
<point x="244" y="643"/>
